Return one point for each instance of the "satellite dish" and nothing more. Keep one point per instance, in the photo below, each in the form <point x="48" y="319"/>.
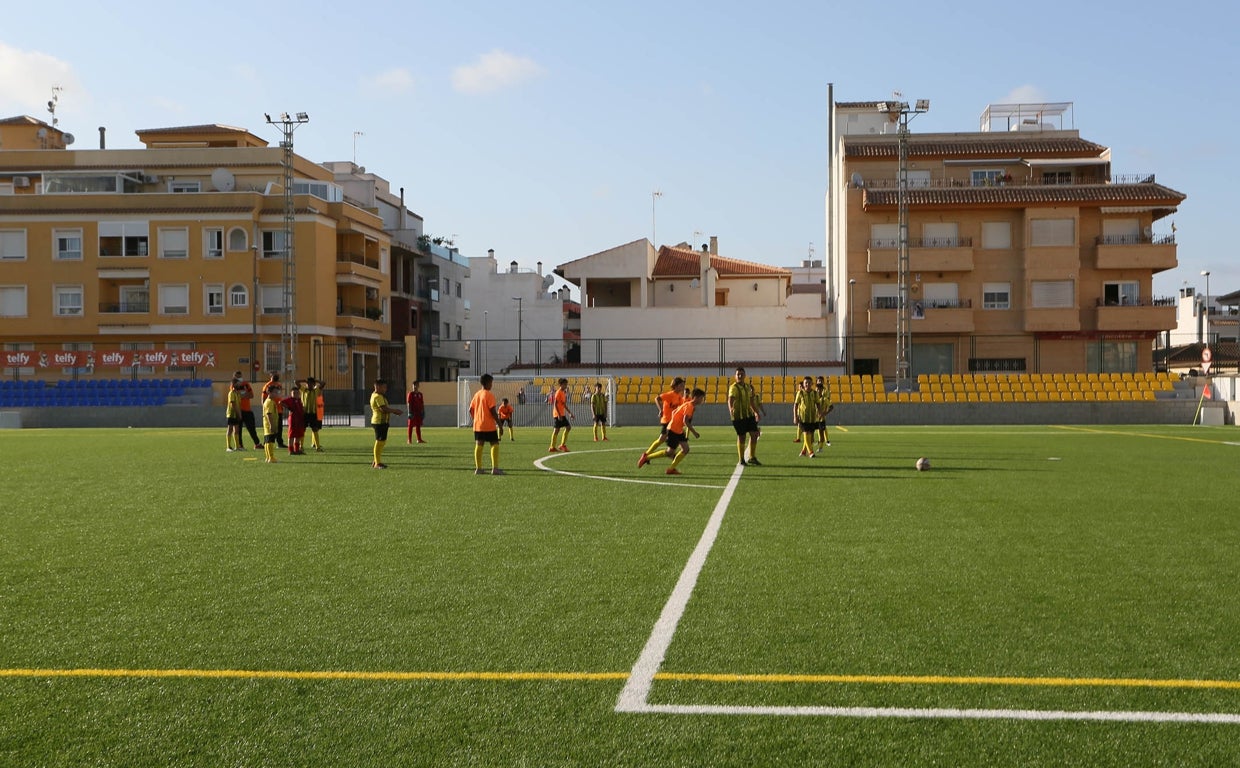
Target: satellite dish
<point x="856" y="179"/>
<point x="547" y="281"/>
<point x="41" y="133"/>
<point x="68" y="139"/>
<point x="223" y="180"/>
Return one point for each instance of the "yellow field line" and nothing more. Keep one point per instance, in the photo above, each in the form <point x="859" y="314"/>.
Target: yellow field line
<point x="1096" y="431"/>
<point x="247" y="674"/>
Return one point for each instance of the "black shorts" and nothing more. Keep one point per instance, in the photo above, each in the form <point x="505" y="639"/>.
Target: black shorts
<point x="561" y="423"/>
<point x="505" y="423"/>
<point x="600" y="418"/>
<point x="745" y="426"/>
<point x="675" y="440"/>
<point x="486" y="437"/>
<point x="271" y="439"/>
<point x="233" y="421"/>
<point x="313" y="424"/>
<point x="381" y="431"/>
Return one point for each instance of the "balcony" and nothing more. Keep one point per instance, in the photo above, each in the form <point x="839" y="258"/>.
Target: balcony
<point x="359" y="318"/>
<point x="1136" y="315"/>
<point x="1065" y="319"/>
<point x="1155" y="253"/>
<point x="125" y="308"/>
<point x="927" y="316"/>
<point x="925" y="254"/>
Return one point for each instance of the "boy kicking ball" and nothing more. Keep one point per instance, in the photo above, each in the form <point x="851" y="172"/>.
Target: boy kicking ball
<point x="677" y="429"/>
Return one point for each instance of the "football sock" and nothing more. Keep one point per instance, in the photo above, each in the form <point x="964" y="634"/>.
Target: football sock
<point x="808" y="442"/>
<point x="680" y="456"/>
<point x="494" y="456"/>
<point x="477" y="456"/>
<point x="655" y="444"/>
<point x="379" y="451"/>
<point x="270" y="450"/>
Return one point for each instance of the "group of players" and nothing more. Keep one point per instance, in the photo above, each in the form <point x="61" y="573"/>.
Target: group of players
<point x="304" y="405"/>
<point x="676" y="408"/>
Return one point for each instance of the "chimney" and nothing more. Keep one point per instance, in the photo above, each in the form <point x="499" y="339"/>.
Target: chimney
<point x="512" y="267"/>
<point x="714" y="245"/>
<point x="491" y="254"/>
<point x="103" y="144"/>
<point x="539" y="268"/>
<point x="403" y="212"/>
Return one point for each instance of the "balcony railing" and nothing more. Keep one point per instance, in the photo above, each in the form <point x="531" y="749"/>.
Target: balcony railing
<point x="1144" y="301"/>
<point x="893" y="302"/>
<point x="124" y="307"/>
<point x="1037" y="180"/>
<point x="358" y="258"/>
<point x="1135" y="240"/>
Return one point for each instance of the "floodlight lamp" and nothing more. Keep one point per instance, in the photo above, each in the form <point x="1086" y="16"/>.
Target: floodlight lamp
<point x="882" y="106"/>
<point x="1205" y="273"/>
<point x="267" y="116"/>
<point x="284" y="117"/>
<point x="923" y="105"/>
<point x="302" y="116"/>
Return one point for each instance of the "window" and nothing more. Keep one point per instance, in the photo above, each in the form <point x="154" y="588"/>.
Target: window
<point x="940" y="235"/>
<point x="174" y="299"/>
<point x="273" y="243"/>
<point x="447" y="287"/>
<point x="458" y="333"/>
<point x="137" y="346"/>
<point x="213" y="298"/>
<point x="174" y="243"/>
<point x="124" y="238"/>
<point x="996" y="295"/>
<point x="22" y="347"/>
<point x="12" y="301"/>
<point x="67" y="301"/>
<point x="273" y="356"/>
<point x="272" y="298"/>
<point x="12" y="245"/>
<point x="917" y="179"/>
<point x="237" y="241"/>
<point x="1121" y="232"/>
<point x="134" y="298"/>
<point x="1121" y="294"/>
<point x="1056" y="177"/>
<point x="1052" y="232"/>
<point x="885" y="296"/>
<point x="342" y="358"/>
<point x="238" y="296"/>
<point x="996" y="235"/>
<point x="185" y="186"/>
<point x="1052" y="294"/>
<point x="988" y="177"/>
<point x="67" y="244"/>
<point x="458" y="289"/>
<point x="884" y="235"/>
<point x="1112" y="357"/>
<point x="82" y="346"/>
<point x="213" y="243"/>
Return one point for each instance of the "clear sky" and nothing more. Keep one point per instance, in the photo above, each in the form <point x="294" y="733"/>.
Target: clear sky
<point x="541" y="129"/>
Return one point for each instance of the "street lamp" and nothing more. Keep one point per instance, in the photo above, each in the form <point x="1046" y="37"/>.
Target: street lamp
<point x="852" y="324"/>
<point x="655" y="195"/>
<point x="1206" y="312"/>
<point x="518" y="299"/>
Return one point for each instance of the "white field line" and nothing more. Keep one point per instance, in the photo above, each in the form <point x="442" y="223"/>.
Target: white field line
<point x="634" y="697"/>
<point x="637" y="689"/>
<point x="541" y="464"/>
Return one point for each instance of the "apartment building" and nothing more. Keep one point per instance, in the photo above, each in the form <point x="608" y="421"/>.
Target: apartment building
<point x="181" y="246"/>
<point x="1026" y="252"/>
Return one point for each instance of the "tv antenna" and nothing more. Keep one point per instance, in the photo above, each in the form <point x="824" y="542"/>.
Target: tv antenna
<point x="355" y="135"/>
<point x="51" y="104"/>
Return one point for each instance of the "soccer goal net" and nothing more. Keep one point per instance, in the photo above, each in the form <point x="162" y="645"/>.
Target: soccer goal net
<point x="530" y="398"/>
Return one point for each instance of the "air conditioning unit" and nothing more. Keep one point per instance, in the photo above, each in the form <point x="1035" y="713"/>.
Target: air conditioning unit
<point x="150" y="178"/>
<point x="21" y="181"/>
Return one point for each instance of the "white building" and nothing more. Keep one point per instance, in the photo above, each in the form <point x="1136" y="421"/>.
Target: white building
<point x="514" y="315"/>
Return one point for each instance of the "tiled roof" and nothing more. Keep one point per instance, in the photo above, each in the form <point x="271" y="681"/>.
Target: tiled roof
<point x="1051" y="194"/>
<point x="23" y="120"/>
<point x="684" y="262"/>
<point x="207" y="128"/>
<point x="973" y="145"/>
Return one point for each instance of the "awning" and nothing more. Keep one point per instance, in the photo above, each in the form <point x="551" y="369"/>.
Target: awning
<point x="1066" y="161"/>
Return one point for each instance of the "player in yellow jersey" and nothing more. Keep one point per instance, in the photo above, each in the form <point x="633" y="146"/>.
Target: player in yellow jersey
<point x="805" y="408"/>
<point x="598" y="404"/>
<point x="380" y="416"/>
<point x="825" y="406"/>
<point x="271" y="420"/>
<point x="232" y="416"/>
<point x="745" y="410"/>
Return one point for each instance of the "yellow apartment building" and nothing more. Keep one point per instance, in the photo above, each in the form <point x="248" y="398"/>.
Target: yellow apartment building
<point x="180" y="245"/>
<point x="1026" y="253"/>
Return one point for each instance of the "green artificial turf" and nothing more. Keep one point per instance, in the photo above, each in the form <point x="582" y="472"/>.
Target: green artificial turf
<point x="216" y="610"/>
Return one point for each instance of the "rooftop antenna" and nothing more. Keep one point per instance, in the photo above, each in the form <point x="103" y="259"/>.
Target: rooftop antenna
<point x="355" y="135"/>
<point x="51" y="105"/>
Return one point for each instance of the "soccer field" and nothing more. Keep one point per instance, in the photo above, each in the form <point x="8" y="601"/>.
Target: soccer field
<point x="1041" y="596"/>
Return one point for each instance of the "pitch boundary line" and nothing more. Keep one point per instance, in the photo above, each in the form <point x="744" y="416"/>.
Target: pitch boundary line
<point x="634" y="698"/>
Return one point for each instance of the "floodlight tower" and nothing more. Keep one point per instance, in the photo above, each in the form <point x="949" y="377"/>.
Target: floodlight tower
<point x="288" y="326"/>
<point x="900" y="111"/>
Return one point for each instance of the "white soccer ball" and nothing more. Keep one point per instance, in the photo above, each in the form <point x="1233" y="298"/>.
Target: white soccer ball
<point x="923" y="464"/>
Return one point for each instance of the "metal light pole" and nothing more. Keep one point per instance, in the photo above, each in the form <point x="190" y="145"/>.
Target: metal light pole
<point x="518" y="299"/>
<point x="852" y="324"/>
<point x="655" y="195"/>
<point x="485" y="338"/>
<point x="1206" y="311"/>
<point x="288" y="329"/>
<point x="901" y="111"/>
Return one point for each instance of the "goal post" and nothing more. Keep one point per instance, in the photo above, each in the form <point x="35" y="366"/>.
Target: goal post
<point x="529" y="397"/>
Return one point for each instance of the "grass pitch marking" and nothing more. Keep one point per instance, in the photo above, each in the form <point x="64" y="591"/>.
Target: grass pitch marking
<point x="541" y="464"/>
<point x="634" y="697"/>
